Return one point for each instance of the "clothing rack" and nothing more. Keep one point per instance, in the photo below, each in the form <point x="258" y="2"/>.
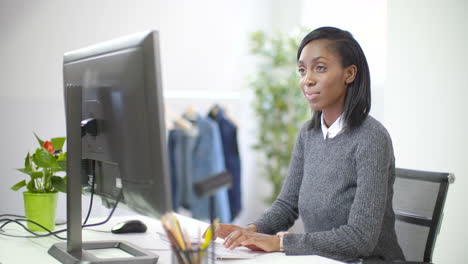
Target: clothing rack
<point x="177" y="101"/>
<point x="180" y="102"/>
<point x="202" y="94"/>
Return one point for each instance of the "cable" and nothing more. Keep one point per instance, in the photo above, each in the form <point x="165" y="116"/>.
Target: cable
<point x="50" y="233"/>
<point x="97" y="230"/>
<point x="103" y="222"/>
<point x="93" y="177"/>
<point x="111" y="213"/>
<point x="17" y="221"/>
<point x="13" y="215"/>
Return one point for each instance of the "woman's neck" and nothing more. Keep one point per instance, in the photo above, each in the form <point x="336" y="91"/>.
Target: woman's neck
<point x="330" y="116"/>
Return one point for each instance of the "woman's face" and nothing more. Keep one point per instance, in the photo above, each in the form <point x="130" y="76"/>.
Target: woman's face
<point x="323" y="79"/>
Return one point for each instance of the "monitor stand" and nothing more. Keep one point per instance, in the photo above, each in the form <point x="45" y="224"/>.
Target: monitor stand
<point x="75" y="250"/>
<point x="140" y="256"/>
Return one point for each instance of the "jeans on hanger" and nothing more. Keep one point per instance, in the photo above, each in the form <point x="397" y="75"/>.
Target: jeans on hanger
<point x="208" y="160"/>
<point x="181" y="147"/>
<point x="232" y="161"/>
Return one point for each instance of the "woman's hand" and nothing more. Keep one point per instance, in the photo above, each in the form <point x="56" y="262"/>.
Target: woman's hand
<point x="224" y="230"/>
<point x="252" y="240"/>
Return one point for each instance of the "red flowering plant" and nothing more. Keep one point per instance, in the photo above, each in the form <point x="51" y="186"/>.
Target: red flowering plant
<point x="46" y="168"/>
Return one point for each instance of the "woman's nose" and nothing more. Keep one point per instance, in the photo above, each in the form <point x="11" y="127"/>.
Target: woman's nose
<point x="309" y="80"/>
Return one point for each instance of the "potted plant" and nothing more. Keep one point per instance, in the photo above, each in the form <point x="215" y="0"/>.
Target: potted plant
<point x="279" y="104"/>
<point x="46" y="168"/>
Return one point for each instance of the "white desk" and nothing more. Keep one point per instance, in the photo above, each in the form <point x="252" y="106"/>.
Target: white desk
<point x="34" y="250"/>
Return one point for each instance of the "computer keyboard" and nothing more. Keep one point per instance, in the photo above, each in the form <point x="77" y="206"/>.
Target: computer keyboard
<point x="222" y="252"/>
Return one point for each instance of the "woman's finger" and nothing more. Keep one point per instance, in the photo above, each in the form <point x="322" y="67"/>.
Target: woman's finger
<point x="229" y="238"/>
<point x="237" y="242"/>
<point x="232" y="237"/>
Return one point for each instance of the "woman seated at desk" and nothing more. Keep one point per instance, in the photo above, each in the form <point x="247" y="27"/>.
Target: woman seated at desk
<point x="341" y="175"/>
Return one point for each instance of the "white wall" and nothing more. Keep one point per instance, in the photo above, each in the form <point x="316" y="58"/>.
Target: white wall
<point x="425" y="104"/>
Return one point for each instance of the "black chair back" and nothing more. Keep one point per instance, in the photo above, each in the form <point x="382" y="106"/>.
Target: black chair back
<point x="418" y="202"/>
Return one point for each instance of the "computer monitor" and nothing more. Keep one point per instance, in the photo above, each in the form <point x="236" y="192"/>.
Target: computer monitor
<point x="115" y="120"/>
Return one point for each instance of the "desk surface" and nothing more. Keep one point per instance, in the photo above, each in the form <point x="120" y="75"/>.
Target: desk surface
<point x="34" y="250"/>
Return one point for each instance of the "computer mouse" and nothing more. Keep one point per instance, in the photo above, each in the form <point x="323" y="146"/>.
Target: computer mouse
<point x="130" y="226"/>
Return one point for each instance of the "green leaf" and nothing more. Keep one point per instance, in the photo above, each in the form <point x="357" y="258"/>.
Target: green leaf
<point x="62" y="156"/>
<point x="19" y="185"/>
<point x="59" y="183"/>
<point x="62" y="161"/>
<point x="41" y="142"/>
<point x="58" y="142"/>
<point x="62" y="165"/>
<point x="44" y="159"/>
<point x="37" y="174"/>
<point x="27" y="162"/>
<point x="25" y="171"/>
<point x="31" y="186"/>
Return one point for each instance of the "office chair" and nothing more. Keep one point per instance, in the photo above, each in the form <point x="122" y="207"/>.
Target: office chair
<point x="418" y="202"/>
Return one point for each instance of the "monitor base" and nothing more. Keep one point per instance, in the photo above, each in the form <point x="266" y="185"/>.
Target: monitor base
<point x="141" y="256"/>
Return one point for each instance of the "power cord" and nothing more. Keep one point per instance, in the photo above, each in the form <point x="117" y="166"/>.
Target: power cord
<point x="12" y="215"/>
<point x="119" y="198"/>
<point x="93" y="177"/>
<point x="54" y="233"/>
<point x="36" y="235"/>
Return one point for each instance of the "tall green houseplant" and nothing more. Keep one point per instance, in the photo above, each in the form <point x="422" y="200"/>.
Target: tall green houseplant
<point x="279" y="104"/>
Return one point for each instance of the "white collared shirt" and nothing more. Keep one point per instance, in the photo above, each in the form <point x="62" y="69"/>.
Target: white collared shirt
<point x="334" y="129"/>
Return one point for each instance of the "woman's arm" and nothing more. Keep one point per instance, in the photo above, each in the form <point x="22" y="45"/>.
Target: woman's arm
<point x="284" y="210"/>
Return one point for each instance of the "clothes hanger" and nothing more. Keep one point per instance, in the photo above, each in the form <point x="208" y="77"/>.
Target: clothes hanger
<point x="214" y="112"/>
<point x="181" y="123"/>
<point x="190" y="113"/>
<point x="177" y="121"/>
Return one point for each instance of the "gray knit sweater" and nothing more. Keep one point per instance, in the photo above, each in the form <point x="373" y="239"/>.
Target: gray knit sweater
<point x="342" y="188"/>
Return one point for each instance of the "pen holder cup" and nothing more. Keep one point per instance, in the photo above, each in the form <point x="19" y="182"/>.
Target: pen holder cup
<point x="196" y="256"/>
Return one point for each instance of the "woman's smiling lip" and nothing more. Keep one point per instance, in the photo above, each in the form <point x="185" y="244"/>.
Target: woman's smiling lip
<point x="311" y="95"/>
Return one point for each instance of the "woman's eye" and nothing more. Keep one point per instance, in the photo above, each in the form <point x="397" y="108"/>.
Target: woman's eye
<point x="301" y="70"/>
<point x="320" y="68"/>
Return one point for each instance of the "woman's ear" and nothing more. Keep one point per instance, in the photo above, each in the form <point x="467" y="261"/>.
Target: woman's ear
<point x="350" y="74"/>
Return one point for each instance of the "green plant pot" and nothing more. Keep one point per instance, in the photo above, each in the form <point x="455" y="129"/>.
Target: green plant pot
<point x="40" y="208"/>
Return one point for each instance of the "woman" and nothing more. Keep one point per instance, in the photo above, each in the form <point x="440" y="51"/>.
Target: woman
<point x="341" y="175"/>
